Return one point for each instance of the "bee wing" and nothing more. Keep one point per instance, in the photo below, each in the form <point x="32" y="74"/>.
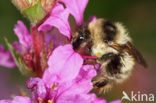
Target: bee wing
<point x="137" y="55"/>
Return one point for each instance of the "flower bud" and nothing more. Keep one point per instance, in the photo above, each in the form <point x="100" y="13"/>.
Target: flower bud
<point x="24" y="4"/>
<point x="48" y="4"/>
<point x="34" y="10"/>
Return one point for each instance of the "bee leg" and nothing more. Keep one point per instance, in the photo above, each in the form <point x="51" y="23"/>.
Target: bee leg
<point x="106" y="57"/>
<point x="90" y="61"/>
<point x="101" y="83"/>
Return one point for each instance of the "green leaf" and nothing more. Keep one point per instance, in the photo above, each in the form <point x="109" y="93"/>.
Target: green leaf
<point x="35" y="13"/>
<point x="17" y="58"/>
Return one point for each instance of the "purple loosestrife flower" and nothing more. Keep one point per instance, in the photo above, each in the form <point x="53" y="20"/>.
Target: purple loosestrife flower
<point x="67" y="84"/>
<point x="59" y="16"/>
<point x="75" y="8"/>
<point x="65" y="80"/>
<point x="24" y="36"/>
<point x="59" y="19"/>
<point x="23" y="46"/>
<point x="6" y="58"/>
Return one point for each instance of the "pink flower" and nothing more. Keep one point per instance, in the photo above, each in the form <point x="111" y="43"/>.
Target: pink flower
<point x="70" y="83"/>
<point x="17" y="99"/>
<point x="63" y="58"/>
<point x="23" y="35"/>
<point x="6" y="58"/>
<point x="59" y="16"/>
<point x="78" y="92"/>
<point x="23" y="46"/>
<point x="66" y="80"/>
<point x="56" y="37"/>
<point x="76" y="8"/>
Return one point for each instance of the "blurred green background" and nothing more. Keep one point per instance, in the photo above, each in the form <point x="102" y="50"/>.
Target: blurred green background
<point x="139" y="17"/>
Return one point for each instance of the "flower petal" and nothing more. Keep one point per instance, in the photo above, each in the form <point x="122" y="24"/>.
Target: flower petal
<point x="18" y="99"/>
<point x="59" y="19"/>
<point x="49" y="78"/>
<point x="18" y="47"/>
<point x="80" y="98"/>
<point x="23" y="34"/>
<point x="56" y="37"/>
<point x="76" y="8"/>
<point x="6" y="58"/>
<point x="21" y="99"/>
<point x="65" y="63"/>
<point x="5" y="101"/>
<point x="37" y="86"/>
<point x="82" y="83"/>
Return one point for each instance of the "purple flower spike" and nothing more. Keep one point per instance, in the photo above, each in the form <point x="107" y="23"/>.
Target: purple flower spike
<point x="76" y="8"/>
<point x="6" y="58"/>
<point x="23" y="35"/>
<point x="59" y="19"/>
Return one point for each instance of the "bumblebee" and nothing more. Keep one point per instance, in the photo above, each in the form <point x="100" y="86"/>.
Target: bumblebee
<point x="111" y="44"/>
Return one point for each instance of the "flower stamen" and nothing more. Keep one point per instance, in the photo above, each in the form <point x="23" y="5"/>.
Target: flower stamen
<point x="53" y="87"/>
<point x="51" y="101"/>
<point x="40" y="100"/>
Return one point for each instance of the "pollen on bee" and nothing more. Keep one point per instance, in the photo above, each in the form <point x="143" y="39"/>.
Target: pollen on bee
<point x="99" y="54"/>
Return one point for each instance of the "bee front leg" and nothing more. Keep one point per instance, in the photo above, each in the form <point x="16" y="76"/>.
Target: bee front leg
<point x="106" y="56"/>
<point x="91" y="61"/>
<point x="102" y="83"/>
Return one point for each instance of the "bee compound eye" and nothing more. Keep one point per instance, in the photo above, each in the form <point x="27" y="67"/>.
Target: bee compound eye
<point x="78" y="41"/>
<point x="81" y="37"/>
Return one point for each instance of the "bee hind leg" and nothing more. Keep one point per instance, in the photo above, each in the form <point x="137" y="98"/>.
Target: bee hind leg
<point x="102" y="84"/>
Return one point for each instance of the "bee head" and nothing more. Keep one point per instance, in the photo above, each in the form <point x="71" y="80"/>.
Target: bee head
<point x="80" y="38"/>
